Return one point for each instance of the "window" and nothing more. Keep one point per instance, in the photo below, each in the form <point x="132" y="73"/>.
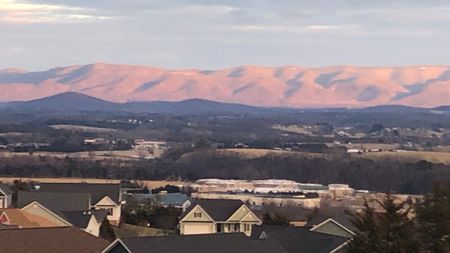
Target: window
<point x="219" y="228"/>
<point x="109" y="210"/>
<point x="197" y="215"/>
<point x="246" y="227"/>
<point x="237" y="227"/>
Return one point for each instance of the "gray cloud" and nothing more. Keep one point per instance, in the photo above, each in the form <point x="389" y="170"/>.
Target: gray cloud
<point x="211" y="34"/>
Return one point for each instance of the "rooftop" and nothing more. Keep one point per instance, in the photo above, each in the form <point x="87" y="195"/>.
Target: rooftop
<point x="97" y="191"/>
<point x="45" y="240"/>
<point x="217" y="243"/>
<point x="218" y="209"/>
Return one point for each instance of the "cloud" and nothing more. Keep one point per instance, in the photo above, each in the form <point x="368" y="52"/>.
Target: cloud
<point x="26" y="12"/>
<point x="222" y="33"/>
<point x="317" y="28"/>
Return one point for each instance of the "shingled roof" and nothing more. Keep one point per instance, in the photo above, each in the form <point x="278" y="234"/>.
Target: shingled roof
<point x="45" y="240"/>
<point x="217" y="243"/>
<point x="4" y="190"/>
<point x="79" y="219"/>
<point x="218" y="209"/>
<point x="97" y="191"/>
<point x="296" y="239"/>
<point x="343" y="219"/>
<point x="56" y="201"/>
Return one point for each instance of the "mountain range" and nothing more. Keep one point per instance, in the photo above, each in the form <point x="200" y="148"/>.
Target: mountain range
<point x="287" y="86"/>
<point x="72" y="102"/>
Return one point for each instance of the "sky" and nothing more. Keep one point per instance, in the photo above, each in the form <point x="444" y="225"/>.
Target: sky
<point x="214" y="34"/>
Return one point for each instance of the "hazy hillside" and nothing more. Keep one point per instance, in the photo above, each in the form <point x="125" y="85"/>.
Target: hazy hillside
<point x="72" y="101"/>
<point x="289" y="86"/>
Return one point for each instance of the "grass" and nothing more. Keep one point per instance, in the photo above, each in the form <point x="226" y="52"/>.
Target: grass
<point x="149" y="183"/>
<point x="83" y="128"/>
<point x="128" y="230"/>
<point x="413" y="156"/>
<point x="93" y="155"/>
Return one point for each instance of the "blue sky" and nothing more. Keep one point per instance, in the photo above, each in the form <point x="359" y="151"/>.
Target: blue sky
<point x="40" y="34"/>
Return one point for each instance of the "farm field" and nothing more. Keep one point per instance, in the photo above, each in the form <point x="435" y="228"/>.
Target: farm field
<point x="149" y="183"/>
<point x="252" y="153"/>
<point x="83" y="128"/>
<point x="413" y="156"/>
<point x="382" y="146"/>
<point x="94" y="155"/>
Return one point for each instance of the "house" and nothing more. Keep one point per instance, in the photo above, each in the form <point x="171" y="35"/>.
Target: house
<point x="217" y="243"/>
<point x="177" y="200"/>
<point x="101" y="196"/>
<point x="86" y="220"/>
<point x="73" y="208"/>
<point x="46" y="240"/>
<point x="34" y="214"/>
<point x="96" y="141"/>
<point x="296" y="239"/>
<point x="207" y="216"/>
<point x="5" y="196"/>
<point x="339" y="225"/>
<point x="56" y="201"/>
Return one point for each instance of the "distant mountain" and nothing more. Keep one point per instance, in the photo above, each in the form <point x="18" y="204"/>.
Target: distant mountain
<point x="394" y="109"/>
<point x="72" y="102"/>
<point x="287" y="86"/>
<point x="193" y="106"/>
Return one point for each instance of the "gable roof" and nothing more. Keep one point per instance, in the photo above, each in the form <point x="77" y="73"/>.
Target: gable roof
<point x="97" y="191"/>
<point x="217" y="209"/>
<point x="79" y="219"/>
<point x="343" y="220"/>
<point x="217" y="243"/>
<point x="56" y="201"/>
<point x="45" y="240"/>
<point x="171" y="199"/>
<point x="99" y="215"/>
<point x="17" y="218"/>
<point x="5" y="190"/>
<point x="295" y="239"/>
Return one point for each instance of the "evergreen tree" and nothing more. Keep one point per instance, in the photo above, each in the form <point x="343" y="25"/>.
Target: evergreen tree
<point x="389" y="231"/>
<point x="398" y="232"/>
<point x="277" y="219"/>
<point x="433" y="217"/>
<point x="367" y="234"/>
<point x="106" y="231"/>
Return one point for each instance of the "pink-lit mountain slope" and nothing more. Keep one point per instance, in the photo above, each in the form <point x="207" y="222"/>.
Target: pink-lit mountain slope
<point x="288" y="86"/>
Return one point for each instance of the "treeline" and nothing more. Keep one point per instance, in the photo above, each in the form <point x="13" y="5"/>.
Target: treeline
<point x="403" y="228"/>
<point x="381" y="175"/>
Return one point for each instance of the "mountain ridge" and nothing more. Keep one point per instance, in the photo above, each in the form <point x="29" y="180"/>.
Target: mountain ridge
<point x="77" y="102"/>
<point x="286" y="86"/>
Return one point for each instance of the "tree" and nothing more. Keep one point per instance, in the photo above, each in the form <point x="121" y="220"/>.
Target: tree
<point x="376" y="128"/>
<point x="276" y="219"/>
<point x="106" y="231"/>
<point x="389" y="231"/>
<point x="366" y="233"/>
<point x="433" y="216"/>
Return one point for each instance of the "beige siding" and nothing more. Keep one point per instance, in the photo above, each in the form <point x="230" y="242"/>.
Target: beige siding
<point x="188" y="228"/>
<point x="93" y="227"/>
<point x="239" y="214"/>
<point x="332" y="228"/>
<point x="36" y="210"/>
<point x="107" y="203"/>
<point x="5" y="201"/>
<point x="191" y="217"/>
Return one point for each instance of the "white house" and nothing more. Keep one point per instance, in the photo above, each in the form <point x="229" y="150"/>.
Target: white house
<point x="208" y="216"/>
<point x="5" y="197"/>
